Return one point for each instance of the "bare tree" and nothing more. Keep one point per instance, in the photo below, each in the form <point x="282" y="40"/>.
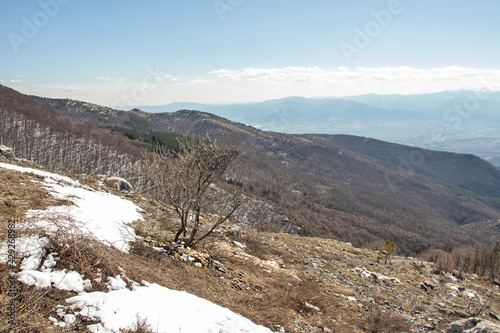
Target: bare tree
<point x="190" y="181"/>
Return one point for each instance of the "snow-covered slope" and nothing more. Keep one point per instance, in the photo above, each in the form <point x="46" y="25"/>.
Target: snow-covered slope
<point x="95" y="214"/>
<point x="105" y="217"/>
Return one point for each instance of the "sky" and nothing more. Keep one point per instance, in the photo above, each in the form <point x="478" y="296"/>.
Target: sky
<point x="154" y="52"/>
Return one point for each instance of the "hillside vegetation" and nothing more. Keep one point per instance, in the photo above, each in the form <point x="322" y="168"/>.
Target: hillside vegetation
<point x="348" y="191"/>
<point x="284" y="282"/>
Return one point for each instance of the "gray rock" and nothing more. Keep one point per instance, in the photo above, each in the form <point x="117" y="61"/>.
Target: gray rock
<point x="429" y="284"/>
<point x="429" y="327"/>
<point x="472" y="325"/>
<point x="117" y="182"/>
<point x="7" y="152"/>
<point x="494" y="316"/>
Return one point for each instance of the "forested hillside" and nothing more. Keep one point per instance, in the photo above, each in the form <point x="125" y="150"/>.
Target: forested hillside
<point x="37" y="133"/>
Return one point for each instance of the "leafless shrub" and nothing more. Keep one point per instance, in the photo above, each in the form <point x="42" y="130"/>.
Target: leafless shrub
<point x="141" y="326"/>
<point x="189" y="181"/>
<point x="476" y="307"/>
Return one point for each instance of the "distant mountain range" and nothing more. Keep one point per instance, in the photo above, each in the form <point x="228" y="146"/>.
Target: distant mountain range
<point x="457" y="121"/>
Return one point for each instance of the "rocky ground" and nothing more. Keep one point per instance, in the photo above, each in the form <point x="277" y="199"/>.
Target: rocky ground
<point x="349" y="288"/>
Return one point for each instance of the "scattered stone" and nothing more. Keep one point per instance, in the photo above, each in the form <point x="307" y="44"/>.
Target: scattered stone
<point x="117" y="182"/>
<point x="7" y="152"/>
<point x="460" y="314"/>
<point x="312" y="307"/>
<point x="429" y="285"/>
<point x="473" y="325"/>
<point x="355" y="251"/>
<point x="429" y="327"/>
<point x="494" y="316"/>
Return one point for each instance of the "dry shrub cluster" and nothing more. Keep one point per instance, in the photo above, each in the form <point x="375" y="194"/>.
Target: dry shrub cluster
<point x="33" y="307"/>
<point x="74" y="251"/>
<point x="379" y="321"/>
<point x="141" y="326"/>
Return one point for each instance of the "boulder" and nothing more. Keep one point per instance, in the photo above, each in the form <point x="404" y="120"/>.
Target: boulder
<point x="7" y="152"/>
<point x="494" y="316"/>
<point x="472" y="325"/>
<point x="117" y="182"/>
<point x="429" y="284"/>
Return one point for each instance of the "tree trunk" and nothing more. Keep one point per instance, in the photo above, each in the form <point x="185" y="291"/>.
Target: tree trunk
<point x="195" y="228"/>
<point x="178" y="234"/>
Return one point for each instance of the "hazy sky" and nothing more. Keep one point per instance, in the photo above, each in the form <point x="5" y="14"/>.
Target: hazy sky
<point x="155" y="52"/>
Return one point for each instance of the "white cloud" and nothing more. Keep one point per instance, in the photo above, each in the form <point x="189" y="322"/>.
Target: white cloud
<point x="168" y="77"/>
<point x="103" y="78"/>
<point x="257" y="84"/>
<point x="202" y="81"/>
<point x="342" y="81"/>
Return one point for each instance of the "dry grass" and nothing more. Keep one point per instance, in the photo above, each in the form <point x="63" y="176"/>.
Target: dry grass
<point x="379" y="321"/>
<point x="141" y="326"/>
<point x="33" y="307"/>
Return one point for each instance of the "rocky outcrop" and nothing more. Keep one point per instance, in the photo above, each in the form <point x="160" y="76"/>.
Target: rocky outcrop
<point x="117" y="182"/>
<point x="7" y="152"/>
<point x="473" y="325"/>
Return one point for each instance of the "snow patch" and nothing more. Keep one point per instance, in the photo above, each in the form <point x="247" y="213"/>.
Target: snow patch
<point x="45" y="174"/>
<point x="95" y="214"/>
<point x="166" y="310"/>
